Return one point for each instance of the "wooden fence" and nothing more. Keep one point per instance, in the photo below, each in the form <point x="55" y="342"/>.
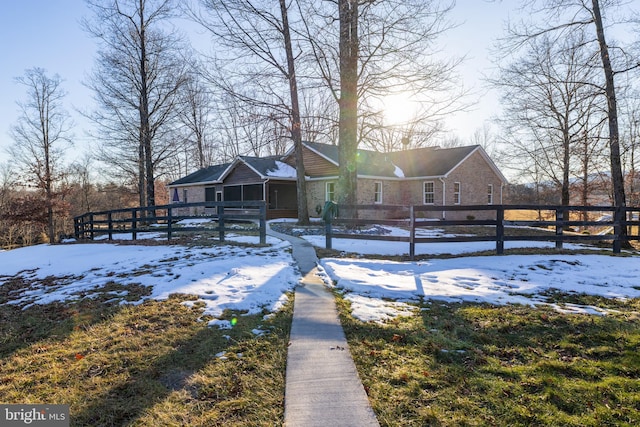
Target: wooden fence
<point x="164" y="218"/>
<point x="617" y="219"/>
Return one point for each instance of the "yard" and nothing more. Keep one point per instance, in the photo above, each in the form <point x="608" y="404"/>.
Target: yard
<point x="197" y="334"/>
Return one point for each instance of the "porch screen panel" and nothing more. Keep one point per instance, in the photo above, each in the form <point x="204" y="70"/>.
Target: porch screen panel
<point x="233" y="193"/>
<point x="252" y="192"/>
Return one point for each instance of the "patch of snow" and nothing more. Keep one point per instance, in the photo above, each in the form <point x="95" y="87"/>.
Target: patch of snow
<point x="377" y="310"/>
<point x="511" y="279"/>
<point x="222" y="277"/>
<point x="397" y="171"/>
<point x="282" y="170"/>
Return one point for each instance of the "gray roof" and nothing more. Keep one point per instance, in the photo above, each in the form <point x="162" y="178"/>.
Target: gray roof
<point x="430" y="161"/>
<point x="208" y="174"/>
<point x="419" y="162"/>
<point x="265" y="166"/>
<point x="415" y="163"/>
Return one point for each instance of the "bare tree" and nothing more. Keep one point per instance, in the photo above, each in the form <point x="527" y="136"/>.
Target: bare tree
<point x="196" y="115"/>
<point x="136" y="84"/>
<point x="260" y="58"/>
<point x="387" y="48"/>
<point x="557" y="19"/>
<point x="548" y="94"/>
<point x="41" y="135"/>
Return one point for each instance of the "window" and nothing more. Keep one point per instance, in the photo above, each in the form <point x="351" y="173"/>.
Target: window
<point x="490" y="194"/>
<point x="184" y="196"/>
<point x="456" y="193"/>
<point x="377" y="190"/>
<point x="428" y="193"/>
<point x="330" y="192"/>
<point x="209" y="194"/>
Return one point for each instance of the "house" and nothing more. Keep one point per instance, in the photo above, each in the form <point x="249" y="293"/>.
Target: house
<point x="430" y="176"/>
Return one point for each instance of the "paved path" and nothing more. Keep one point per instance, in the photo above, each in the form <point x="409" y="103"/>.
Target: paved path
<point x="322" y="385"/>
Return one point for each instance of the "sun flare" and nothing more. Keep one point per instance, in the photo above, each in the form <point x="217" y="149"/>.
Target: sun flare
<point x="399" y="109"/>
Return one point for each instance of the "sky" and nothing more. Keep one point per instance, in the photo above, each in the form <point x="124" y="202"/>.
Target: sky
<point x="47" y="34"/>
<point x="378" y="290"/>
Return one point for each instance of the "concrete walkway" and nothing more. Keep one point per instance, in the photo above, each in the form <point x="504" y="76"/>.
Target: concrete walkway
<point x="322" y="385"/>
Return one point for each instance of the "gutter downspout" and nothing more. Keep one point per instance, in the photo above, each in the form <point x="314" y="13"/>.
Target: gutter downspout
<point x="444" y="187"/>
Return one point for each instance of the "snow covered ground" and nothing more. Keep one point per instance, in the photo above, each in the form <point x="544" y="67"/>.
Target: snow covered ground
<point x="222" y="277"/>
<point x="253" y="279"/>
<point x="511" y="279"/>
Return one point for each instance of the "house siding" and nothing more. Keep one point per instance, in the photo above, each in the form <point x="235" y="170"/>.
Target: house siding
<point x="474" y="176"/>
<point x="242" y="174"/>
<point x="316" y="196"/>
<point x="314" y="164"/>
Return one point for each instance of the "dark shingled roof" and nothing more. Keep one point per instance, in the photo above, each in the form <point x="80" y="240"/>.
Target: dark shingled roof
<point x="209" y="174"/>
<point x="430" y="161"/>
<point x="419" y="162"/>
<point x="263" y="165"/>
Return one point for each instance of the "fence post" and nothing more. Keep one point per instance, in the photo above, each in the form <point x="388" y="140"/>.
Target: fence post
<point x="412" y="234"/>
<point x="617" y="229"/>
<point x="134" y="224"/>
<point x="221" y="223"/>
<point x="263" y="224"/>
<point x="91" y="225"/>
<point x="559" y="227"/>
<point x="110" y="225"/>
<point x="328" y="232"/>
<point x="76" y="227"/>
<point x="169" y="222"/>
<point x="500" y="230"/>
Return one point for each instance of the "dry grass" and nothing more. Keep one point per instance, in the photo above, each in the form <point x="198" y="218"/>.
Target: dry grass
<point x="470" y="365"/>
<point x="151" y="364"/>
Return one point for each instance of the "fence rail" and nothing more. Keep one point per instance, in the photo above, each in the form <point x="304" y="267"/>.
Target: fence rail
<point x="615" y="219"/>
<point x="163" y="218"/>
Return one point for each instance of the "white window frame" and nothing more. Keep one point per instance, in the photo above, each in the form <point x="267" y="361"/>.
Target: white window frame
<point x="377" y="192"/>
<point x="490" y="194"/>
<point x="432" y="193"/>
<point x="456" y="193"/>
<point x="330" y="195"/>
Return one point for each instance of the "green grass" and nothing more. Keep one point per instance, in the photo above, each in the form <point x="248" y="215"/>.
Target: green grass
<point x="471" y="364"/>
<point x="150" y="364"/>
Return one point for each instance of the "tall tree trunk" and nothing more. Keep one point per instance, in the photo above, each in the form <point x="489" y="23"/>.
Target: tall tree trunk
<point x="617" y="177"/>
<point x="296" y="132"/>
<point x="48" y="173"/>
<point x="585" y="177"/>
<point x="142" y="197"/>
<point x="144" y="111"/>
<point x="566" y="144"/>
<point x="348" y="122"/>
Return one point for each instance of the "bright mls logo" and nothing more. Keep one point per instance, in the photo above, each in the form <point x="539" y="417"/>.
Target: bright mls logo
<point x="34" y="415"/>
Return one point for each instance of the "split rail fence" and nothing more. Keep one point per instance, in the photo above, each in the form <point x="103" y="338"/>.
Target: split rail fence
<point x="612" y="219"/>
<point x="163" y="219"/>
